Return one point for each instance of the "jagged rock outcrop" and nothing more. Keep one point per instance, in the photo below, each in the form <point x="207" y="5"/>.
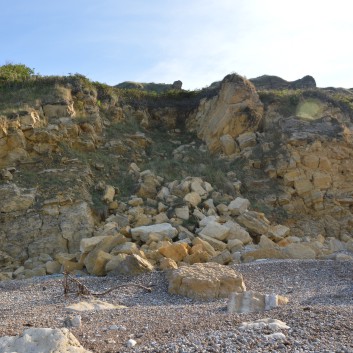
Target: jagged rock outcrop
<point x="235" y="110"/>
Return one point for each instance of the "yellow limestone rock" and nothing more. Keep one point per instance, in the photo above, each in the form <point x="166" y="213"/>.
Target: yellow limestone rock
<point x="205" y="281"/>
<point x="175" y="251"/>
<point x="235" y="110"/>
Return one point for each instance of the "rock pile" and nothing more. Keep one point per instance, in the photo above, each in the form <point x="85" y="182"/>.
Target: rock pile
<point x="177" y="224"/>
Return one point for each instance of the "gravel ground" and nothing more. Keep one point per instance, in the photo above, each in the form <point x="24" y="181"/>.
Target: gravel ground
<point x="319" y="314"/>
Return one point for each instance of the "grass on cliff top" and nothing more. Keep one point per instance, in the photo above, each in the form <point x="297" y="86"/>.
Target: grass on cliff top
<point x="287" y="100"/>
<point x="44" y="89"/>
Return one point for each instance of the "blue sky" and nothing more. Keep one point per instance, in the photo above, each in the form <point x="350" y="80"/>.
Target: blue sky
<point x="196" y="41"/>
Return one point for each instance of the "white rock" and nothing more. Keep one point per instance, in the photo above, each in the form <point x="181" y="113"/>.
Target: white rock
<point x="272" y="324"/>
<point x="277" y="336"/>
<point x="236" y="231"/>
<point x="251" y="301"/>
<point x="165" y="229"/>
<point x="215" y="230"/>
<point x="131" y="343"/>
<point x="204" y="221"/>
<point x="238" y="206"/>
<point x="42" y="340"/>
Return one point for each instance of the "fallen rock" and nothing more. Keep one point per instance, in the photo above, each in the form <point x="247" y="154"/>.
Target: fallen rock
<point x="193" y="198"/>
<point x="133" y="265"/>
<point x="41" y="340"/>
<point x="251" y="301"/>
<point x="88" y="244"/>
<point x="236" y="231"/>
<point x="167" y="264"/>
<point x="299" y="251"/>
<point x="216" y="244"/>
<point x="205" y="281"/>
<point x="143" y="232"/>
<point x="175" y="251"/>
<point x="238" y="206"/>
<point x="215" y="230"/>
<point x="278" y="232"/>
<point x="254" y="221"/>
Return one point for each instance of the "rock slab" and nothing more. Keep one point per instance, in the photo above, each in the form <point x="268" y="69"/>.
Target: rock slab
<point x="205" y="281"/>
<point x="251" y="301"/>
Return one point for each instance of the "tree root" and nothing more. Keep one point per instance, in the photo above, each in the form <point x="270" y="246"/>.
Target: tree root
<point x="81" y="289"/>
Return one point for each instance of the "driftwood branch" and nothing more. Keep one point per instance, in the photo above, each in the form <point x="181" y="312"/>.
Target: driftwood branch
<point x="82" y="289"/>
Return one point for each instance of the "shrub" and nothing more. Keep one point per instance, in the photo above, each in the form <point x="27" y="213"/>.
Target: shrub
<point x="15" y="72"/>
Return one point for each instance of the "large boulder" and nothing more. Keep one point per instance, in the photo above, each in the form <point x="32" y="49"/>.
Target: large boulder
<point x="205" y="281"/>
<point x="234" y="110"/>
<point x="96" y="259"/>
<point x="42" y="340"/>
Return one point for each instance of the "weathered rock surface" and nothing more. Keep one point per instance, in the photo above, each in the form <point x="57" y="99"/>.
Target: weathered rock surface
<point x="14" y="198"/>
<point x="254" y="221"/>
<point x="42" y="340"/>
<point x="133" y="265"/>
<point x="250" y="301"/>
<point x="205" y="281"/>
<point x="236" y="109"/>
<point x="164" y="229"/>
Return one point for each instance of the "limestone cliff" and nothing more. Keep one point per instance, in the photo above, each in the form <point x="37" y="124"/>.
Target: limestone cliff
<point x="82" y="159"/>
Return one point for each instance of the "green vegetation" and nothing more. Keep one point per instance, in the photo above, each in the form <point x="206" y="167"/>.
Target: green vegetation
<point x="287" y="100"/>
<point x="15" y="72"/>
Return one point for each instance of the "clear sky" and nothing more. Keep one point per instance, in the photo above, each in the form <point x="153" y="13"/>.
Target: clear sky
<point x="195" y="41"/>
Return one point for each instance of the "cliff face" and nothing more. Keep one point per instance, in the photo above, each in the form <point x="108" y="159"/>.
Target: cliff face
<point x="72" y="153"/>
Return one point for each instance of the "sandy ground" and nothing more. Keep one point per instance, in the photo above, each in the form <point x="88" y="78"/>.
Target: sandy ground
<point x="319" y="314"/>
